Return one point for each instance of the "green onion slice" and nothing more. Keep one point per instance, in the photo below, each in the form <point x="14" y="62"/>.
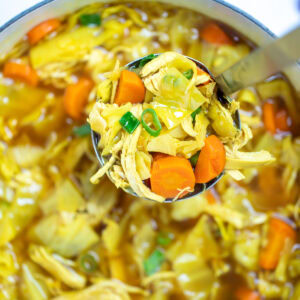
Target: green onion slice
<point x="155" y="120"/>
<point x="88" y="263"/>
<point x="90" y="19"/>
<point x="147" y="59"/>
<point x="83" y="130"/>
<point x="194" y="159"/>
<point x="188" y="73"/>
<point x="195" y="113"/>
<point x="153" y="262"/>
<point x="164" y="238"/>
<point x="129" y="122"/>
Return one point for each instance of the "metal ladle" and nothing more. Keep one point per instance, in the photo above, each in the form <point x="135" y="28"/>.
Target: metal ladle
<point x="257" y="66"/>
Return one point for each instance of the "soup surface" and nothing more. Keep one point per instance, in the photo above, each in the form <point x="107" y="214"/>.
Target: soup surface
<point x="62" y="237"/>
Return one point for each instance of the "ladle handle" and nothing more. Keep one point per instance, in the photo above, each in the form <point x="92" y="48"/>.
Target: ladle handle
<point x="261" y="63"/>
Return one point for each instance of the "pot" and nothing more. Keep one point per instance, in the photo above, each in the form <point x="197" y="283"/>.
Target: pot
<point x="245" y="24"/>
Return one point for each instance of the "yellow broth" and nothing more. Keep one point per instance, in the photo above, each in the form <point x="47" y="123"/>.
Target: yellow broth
<point x="51" y="215"/>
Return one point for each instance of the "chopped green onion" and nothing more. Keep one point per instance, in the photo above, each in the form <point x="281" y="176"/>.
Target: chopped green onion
<point x="164" y="238"/>
<point x="88" y="263"/>
<point x="83" y="130"/>
<point x="146" y="59"/>
<point x="90" y="19"/>
<point x="188" y="74"/>
<point x="155" y="120"/>
<point x="129" y="122"/>
<point x="195" y="113"/>
<point x="194" y="159"/>
<point x="153" y="262"/>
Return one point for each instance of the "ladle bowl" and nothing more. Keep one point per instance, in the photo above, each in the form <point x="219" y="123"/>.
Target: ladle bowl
<point x="199" y="187"/>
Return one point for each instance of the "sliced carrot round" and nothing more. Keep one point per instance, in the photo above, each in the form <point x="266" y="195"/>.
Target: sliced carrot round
<point x="269" y="117"/>
<point x="76" y="97"/>
<point x="41" y="30"/>
<point x="279" y="231"/>
<point x="171" y="174"/>
<point x="212" y="33"/>
<point x="158" y="155"/>
<point x="130" y="88"/>
<point x="211" y="161"/>
<point x="244" y="293"/>
<point x="282" y="120"/>
<point x="21" y="71"/>
<point x="282" y="227"/>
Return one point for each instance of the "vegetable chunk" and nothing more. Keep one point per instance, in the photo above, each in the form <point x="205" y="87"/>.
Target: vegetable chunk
<point x="21" y="71"/>
<point x="279" y="231"/>
<point x="211" y="161"/>
<point x="130" y="89"/>
<point x="212" y="33"/>
<point x="41" y="30"/>
<point x="76" y="97"/>
<point x="170" y="175"/>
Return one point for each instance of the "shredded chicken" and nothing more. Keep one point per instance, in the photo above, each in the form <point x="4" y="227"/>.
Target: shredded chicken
<point x="129" y="165"/>
<point x="242" y="160"/>
<point x="57" y="266"/>
<point x="106" y="290"/>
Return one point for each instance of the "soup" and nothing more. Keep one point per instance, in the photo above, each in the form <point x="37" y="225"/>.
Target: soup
<point x="62" y="237"/>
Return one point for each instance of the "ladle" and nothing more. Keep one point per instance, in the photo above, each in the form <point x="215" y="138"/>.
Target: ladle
<point x="257" y="66"/>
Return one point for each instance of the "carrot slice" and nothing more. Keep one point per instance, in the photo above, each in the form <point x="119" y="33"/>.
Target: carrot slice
<point x="269" y="117"/>
<point x="211" y="161"/>
<point x="42" y="29"/>
<point x="171" y="174"/>
<point x="282" y="120"/>
<point x="130" y="88"/>
<point x="244" y="293"/>
<point x="21" y="72"/>
<point x="157" y="155"/>
<point x="76" y="97"/>
<point x="211" y="196"/>
<point x="200" y="71"/>
<point x="212" y="33"/>
<point x="279" y="231"/>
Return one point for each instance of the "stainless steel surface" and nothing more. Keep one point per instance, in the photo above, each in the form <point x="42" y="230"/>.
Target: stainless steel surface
<point x="262" y="63"/>
<point x="199" y="188"/>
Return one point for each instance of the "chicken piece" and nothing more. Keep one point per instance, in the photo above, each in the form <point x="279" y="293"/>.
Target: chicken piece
<point x="96" y="121"/>
<point x="201" y="123"/>
<point x="105" y="290"/>
<point x="235" y="174"/>
<point x="58" y="266"/>
<point x="114" y="77"/>
<point x="129" y="165"/>
<point x="143" y="162"/>
<point x="242" y="160"/>
<point x="222" y="121"/>
<point x="118" y="177"/>
<point x="104" y="90"/>
<point x="207" y="89"/>
<point x="115" y="149"/>
<point x="234" y="217"/>
<point x="152" y="83"/>
<point x="187" y="126"/>
<point x="243" y="137"/>
<point x="131" y="13"/>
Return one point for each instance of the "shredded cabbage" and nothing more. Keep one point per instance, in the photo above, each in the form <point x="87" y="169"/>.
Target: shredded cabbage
<point x="67" y="236"/>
